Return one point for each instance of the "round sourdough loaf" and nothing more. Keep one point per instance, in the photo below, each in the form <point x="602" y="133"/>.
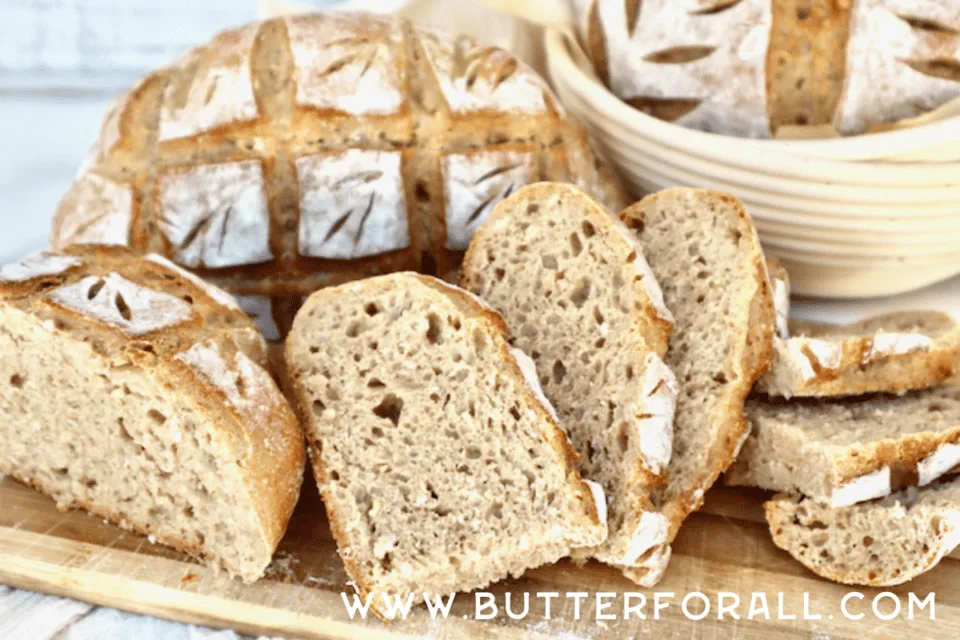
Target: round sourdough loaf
<point x="295" y="153"/>
<point x="748" y="67"/>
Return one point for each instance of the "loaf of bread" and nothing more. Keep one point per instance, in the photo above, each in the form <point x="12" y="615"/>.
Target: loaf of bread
<point x="578" y="295"/>
<point x="749" y="67"/>
<point x="705" y="253"/>
<point x="881" y="543"/>
<point x="845" y="451"/>
<point x="137" y="392"/>
<point x="891" y="353"/>
<point x="438" y="458"/>
<point x="306" y="151"/>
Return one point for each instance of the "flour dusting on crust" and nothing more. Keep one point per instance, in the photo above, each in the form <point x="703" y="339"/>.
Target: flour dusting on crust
<point x="100" y="213"/>
<point x="352" y="204"/>
<point x="475" y="183"/>
<point x="889" y="343"/>
<point x="478" y="78"/>
<point x="220" y="90"/>
<point x="659" y="391"/>
<point x="127" y="305"/>
<point x="599" y="498"/>
<point x="38" y="265"/>
<point x="866" y="487"/>
<point x="216" y="215"/>
<point x="945" y="458"/>
<point x="348" y="63"/>
<point x="727" y="76"/>
<point x="880" y="84"/>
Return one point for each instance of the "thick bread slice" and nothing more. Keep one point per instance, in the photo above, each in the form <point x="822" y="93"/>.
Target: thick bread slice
<point x="890" y="353"/>
<point x="136" y="392"/>
<point x="441" y="467"/>
<point x="577" y="294"/>
<point x="841" y="452"/>
<point x="704" y="251"/>
<point x="881" y="543"/>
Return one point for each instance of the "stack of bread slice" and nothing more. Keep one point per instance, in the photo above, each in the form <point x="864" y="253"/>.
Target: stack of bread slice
<point x="857" y="426"/>
<point x="583" y="413"/>
<point x="647" y="332"/>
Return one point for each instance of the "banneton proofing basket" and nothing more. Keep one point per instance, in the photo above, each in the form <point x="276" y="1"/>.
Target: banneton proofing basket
<point x="860" y="216"/>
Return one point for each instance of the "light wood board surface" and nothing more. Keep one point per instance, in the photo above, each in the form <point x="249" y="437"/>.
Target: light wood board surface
<point x="726" y="547"/>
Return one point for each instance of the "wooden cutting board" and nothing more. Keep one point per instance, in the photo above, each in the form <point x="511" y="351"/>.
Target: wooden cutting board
<point x="725" y="547"/>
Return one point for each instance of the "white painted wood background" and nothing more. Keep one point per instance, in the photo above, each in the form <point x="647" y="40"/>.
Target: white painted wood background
<point x="61" y="62"/>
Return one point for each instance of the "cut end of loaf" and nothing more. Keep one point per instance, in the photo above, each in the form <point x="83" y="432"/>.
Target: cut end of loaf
<point x="134" y="393"/>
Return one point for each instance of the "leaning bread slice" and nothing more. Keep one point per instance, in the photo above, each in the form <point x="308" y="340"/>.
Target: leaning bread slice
<point x="846" y="451"/>
<point x="577" y="294"/>
<point x="441" y="467"/>
<point x="890" y="353"/>
<point x="136" y="392"/>
<point x="881" y="543"/>
<point x="705" y="254"/>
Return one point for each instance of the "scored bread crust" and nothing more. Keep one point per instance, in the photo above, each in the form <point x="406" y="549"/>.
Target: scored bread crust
<point x="651" y="325"/>
<point x="752" y="342"/>
<point x="749" y="67"/>
<point x="780" y="455"/>
<point x="891" y="353"/>
<point x="882" y="543"/>
<point x="306" y="151"/>
<point x="491" y="321"/>
<point x="257" y="422"/>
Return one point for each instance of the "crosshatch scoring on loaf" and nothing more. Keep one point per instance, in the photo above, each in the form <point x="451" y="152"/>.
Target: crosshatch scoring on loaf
<point x="306" y="151"/>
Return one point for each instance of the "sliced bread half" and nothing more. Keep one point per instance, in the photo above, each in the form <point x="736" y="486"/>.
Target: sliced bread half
<point x="704" y="251"/>
<point x="890" y="353"/>
<point x="578" y="296"/>
<point x="841" y="452"/>
<point x="438" y="459"/>
<point x="881" y="543"/>
<point x="136" y="391"/>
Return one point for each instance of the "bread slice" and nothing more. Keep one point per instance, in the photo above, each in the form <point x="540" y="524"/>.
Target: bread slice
<point x="137" y="392"/>
<point x="441" y="465"/>
<point x="704" y="251"/>
<point x="577" y="294"/>
<point x="878" y="544"/>
<point x="841" y="452"/>
<point x="891" y="353"/>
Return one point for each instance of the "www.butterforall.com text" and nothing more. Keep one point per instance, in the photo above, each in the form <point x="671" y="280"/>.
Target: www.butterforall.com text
<point x="610" y="606"/>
